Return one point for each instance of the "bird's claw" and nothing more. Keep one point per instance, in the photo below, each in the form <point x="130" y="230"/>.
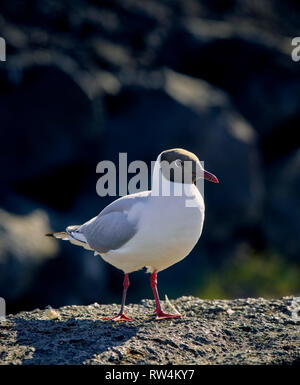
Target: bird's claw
<point x="161" y="315"/>
<point x="118" y="318"/>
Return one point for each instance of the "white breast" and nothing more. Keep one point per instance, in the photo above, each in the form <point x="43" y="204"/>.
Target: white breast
<point x="167" y="232"/>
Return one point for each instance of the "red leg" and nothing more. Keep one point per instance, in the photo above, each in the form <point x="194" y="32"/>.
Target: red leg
<point x="159" y="313"/>
<point x="121" y="316"/>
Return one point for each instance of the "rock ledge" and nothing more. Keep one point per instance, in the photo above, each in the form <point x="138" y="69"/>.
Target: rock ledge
<point x="241" y="331"/>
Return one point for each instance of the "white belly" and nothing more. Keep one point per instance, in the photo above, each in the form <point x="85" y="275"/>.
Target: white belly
<point x="167" y="232"/>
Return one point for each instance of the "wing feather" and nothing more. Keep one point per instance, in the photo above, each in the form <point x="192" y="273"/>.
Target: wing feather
<point x="112" y="228"/>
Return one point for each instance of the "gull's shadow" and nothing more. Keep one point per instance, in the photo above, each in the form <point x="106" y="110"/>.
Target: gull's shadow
<point x="69" y="342"/>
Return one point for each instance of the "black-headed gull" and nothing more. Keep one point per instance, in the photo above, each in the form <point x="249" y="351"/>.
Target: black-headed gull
<point x="147" y="229"/>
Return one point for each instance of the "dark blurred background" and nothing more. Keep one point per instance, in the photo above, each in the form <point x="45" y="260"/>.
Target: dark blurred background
<point x="84" y="80"/>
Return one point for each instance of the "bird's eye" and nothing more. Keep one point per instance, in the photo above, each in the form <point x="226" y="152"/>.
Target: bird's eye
<point x="178" y="162"/>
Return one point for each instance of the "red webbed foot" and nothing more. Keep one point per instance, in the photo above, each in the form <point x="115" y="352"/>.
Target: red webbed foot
<point x="118" y="318"/>
<point x="162" y="315"/>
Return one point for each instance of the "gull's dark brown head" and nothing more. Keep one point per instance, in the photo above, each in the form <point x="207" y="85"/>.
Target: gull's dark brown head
<point x="179" y="165"/>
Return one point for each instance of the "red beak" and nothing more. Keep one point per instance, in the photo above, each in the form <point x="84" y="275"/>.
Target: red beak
<point x="211" y="177"/>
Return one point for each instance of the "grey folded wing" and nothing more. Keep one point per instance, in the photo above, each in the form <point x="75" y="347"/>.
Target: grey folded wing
<point x="111" y="229"/>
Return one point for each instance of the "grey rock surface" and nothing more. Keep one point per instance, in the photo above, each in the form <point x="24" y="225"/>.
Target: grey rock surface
<point x="241" y="331"/>
<point x="23" y="249"/>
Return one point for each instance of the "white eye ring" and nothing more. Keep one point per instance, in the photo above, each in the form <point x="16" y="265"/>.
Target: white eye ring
<point x="179" y="163"/>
